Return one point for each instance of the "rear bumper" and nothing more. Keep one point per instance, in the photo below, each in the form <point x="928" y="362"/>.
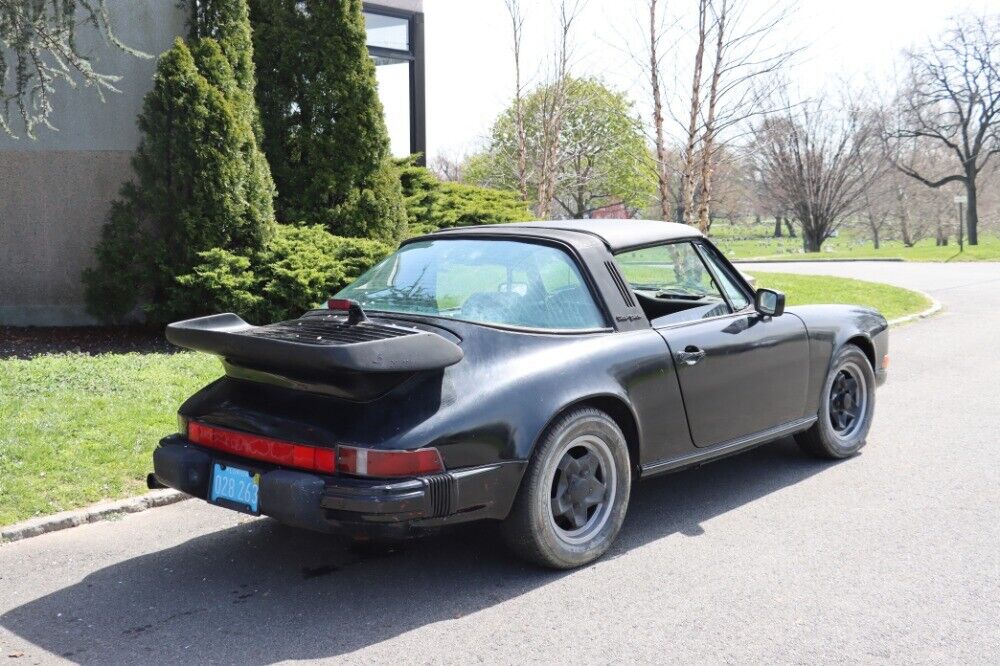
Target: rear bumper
<point x="370" y="508"/>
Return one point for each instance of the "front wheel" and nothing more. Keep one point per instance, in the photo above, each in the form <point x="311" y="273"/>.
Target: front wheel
<point x="574" y="494"/>
<point x="846" y="408"/>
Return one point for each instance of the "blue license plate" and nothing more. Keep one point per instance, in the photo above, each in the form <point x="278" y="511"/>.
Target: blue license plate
<point x="232" y="485"/>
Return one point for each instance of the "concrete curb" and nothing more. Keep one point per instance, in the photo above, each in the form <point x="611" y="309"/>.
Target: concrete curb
<point x="91" y="514"/>
<point x="935" y="308"/>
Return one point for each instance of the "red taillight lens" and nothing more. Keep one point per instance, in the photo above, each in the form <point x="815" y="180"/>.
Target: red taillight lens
<point x="275" y="451"/>
<point x="371" y="462"/>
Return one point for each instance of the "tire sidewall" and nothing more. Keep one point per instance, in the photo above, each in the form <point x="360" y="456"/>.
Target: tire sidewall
<point x="836" y="446"/>
<point x="557" y="551"/>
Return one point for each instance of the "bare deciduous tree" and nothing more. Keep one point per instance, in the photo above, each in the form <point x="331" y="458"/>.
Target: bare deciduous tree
<point x="688" y="177"/>
<point x="952" y="98"/>
<point x="741" y="82"/>
<point x="663" y="173"/>
<point x="809" y="159"/>
<point x="554" y="107"/>
<point x="447" y="167"/>
<point x="517" y="31"/>
<point x="42" y="38"/>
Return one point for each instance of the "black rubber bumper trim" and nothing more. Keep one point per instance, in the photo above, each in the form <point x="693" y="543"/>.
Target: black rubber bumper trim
<point x="334" y="503"/>
<point x="288" y="496"/>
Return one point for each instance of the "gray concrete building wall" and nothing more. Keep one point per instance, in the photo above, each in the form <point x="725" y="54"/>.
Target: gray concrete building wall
<point x="55" y="191"/>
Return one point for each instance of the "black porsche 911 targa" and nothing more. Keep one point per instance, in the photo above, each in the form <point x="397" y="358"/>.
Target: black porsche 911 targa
<point x="523" y="373"/>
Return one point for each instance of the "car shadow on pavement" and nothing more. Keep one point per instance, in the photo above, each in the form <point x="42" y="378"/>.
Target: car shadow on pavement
<point x="261" y="592"/>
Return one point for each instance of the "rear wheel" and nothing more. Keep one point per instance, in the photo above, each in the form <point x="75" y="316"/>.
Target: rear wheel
<point x="846" y="408"/>
<point x="574" y="494"/>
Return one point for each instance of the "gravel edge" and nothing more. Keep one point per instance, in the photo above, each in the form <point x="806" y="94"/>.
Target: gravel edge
<point x="91" y="514"/>
<point x="110" y="510"/>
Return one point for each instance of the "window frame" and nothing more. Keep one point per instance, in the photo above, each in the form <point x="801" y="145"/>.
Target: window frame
<point x="702" y="248"/>
<point x="707" y="251"/>
<point x="415" y="56"/>
<point x="574" y="258"/>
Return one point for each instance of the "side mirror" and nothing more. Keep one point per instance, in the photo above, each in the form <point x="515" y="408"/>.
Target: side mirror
<point x="769" y="302"/>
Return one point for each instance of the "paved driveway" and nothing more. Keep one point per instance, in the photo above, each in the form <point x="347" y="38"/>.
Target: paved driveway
<point x="893" y="556"/>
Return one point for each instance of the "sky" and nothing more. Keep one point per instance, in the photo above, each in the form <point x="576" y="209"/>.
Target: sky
<point x="470" y="72"/>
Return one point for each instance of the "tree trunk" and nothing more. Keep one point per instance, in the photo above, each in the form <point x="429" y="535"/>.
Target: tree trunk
<point x="875" y="241"/>
<point x="662" y="173"/>
<point x="972" y="211"/>
<point x="689" y="182"/>
<point x="708" y="136"/>
<point x="777" y="226"/>
<point x="790" y="227"/>
<point x="904" y="230"/>
<point x="812" y="234"/>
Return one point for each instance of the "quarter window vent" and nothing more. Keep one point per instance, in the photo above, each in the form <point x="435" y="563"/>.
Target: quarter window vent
<point x="619" y="281"/>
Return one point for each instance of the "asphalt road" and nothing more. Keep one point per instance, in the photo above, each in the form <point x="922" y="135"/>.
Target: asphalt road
<point x="892" y="556"/>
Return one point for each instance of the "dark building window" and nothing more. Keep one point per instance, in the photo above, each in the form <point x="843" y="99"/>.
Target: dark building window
<point x="396" y="45"/>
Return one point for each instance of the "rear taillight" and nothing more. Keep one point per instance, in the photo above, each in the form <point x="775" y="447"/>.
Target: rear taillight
<point x="347" y="459"/>
<point x="270" y="450"/>
<point x="375" y="463"/>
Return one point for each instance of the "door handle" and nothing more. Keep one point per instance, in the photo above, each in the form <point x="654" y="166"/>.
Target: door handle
<point x="691" y="355"/>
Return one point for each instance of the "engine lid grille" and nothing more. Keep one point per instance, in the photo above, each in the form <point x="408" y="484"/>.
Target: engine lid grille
<point x="327" y="332"/>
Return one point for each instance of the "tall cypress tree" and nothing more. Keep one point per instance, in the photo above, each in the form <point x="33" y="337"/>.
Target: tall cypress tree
<point x="201" y="182"/>
<point x="325" y="134"/>
<point x="228" y="22"/>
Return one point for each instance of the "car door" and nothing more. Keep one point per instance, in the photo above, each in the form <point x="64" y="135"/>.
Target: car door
<point x="740" y="373"/>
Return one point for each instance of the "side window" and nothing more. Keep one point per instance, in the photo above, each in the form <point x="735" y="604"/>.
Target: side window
<point x="672" y="283"/>
<point x="737" y="296"/>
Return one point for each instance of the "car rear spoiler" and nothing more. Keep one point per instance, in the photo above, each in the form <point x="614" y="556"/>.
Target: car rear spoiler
<point x="316" y="343"/>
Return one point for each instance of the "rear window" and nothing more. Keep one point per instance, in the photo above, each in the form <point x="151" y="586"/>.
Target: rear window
<point x="509" y="283"/>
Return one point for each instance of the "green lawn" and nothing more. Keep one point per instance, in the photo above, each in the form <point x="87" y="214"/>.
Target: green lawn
<point x="754" y="241"/>
<point x="78" y="429"/>
<point x="891" y="301"/>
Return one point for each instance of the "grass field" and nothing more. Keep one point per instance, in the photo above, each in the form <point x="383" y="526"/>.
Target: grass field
<point x="754" y="241"/>
<point x="78" y="429"/>
<point x="891" y="301"/>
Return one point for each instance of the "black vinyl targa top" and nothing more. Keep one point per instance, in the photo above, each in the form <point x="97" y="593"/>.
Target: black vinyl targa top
<point x="615" y="234"/>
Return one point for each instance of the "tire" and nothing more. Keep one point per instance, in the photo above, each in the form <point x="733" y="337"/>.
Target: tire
<point x="849" y="389"/>
<point x="581" y="466"/>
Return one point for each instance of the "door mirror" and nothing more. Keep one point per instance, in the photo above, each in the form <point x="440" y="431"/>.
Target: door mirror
<point x="769" y="302"/>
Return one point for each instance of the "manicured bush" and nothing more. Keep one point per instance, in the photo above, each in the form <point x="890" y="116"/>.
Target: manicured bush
<point x="461" y="204"/>
<point x="302" y="266"/>
<point x="221" y="282"/>
<point x="432" y="204"/>
<point x="298" y="269"/>
<point x="201" y="184"/>
<point x="324" y="132"/>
